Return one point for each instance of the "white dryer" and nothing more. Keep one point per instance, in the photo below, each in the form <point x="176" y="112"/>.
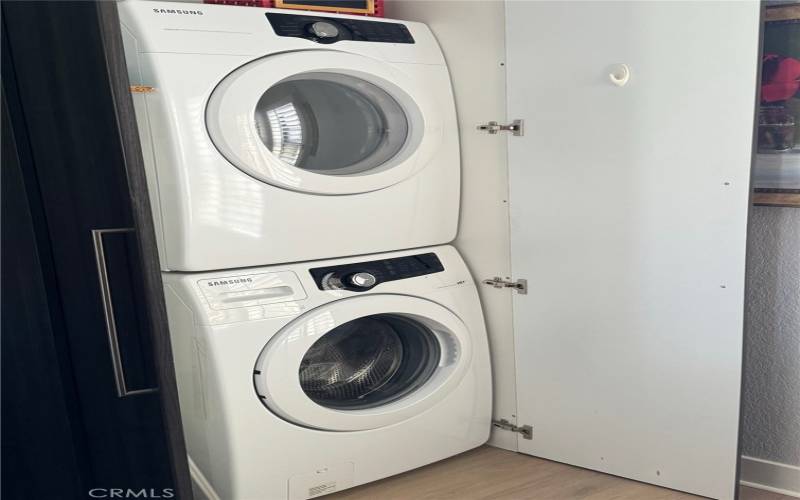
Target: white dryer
<point x="280" y="136"/>
<point x="304" y="379"/>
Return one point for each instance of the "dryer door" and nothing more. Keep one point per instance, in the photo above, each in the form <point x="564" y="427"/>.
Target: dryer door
<point x="363" y="362"/>
<point x="324" y="122"/>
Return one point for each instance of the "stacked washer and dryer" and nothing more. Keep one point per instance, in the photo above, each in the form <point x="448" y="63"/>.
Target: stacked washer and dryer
<point x="304" y="179"/>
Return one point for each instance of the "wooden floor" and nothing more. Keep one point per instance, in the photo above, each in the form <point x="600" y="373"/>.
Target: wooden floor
<point x="492" y="473"/>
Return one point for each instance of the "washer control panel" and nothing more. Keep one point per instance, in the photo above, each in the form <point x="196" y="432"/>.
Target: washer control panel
<point x="363" y="276"/>
<point x="322" y="29"/>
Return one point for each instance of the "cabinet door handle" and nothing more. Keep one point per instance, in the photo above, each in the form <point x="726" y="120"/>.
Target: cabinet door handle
<point x="108" y="311"/>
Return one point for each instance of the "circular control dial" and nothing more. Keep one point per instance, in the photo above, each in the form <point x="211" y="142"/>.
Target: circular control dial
<point x="332" y="282"/>
<point x="362" y="280"/>
<point x="324" y="29"/>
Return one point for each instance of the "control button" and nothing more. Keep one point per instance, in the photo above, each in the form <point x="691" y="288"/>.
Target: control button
<point x="324" y="29"/>
<point x="363" y="280"/>
<point x="332" y="282"/>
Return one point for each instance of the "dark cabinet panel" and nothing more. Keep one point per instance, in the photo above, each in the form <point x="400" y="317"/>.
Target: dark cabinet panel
<point x="64" y="76"/>
<point x="38" y="434"/>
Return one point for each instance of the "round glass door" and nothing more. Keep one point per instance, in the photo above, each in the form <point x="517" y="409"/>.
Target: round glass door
<point x="330" y="123"/>
<point x="369" y="362"/>
<point x="326" y="122"/>
<point x="362" y="363"/>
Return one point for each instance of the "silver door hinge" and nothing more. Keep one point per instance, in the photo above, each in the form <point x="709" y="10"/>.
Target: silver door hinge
<point x="525" y="430"/>
<point x="517" y="127"/>
<point x="521" y="286"/>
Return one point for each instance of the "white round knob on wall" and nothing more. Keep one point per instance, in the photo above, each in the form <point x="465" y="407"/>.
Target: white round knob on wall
<point x="620" y="74"/>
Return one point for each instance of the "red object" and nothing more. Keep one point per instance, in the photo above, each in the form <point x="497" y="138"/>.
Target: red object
<point x="244" y="3"/>
<point x="378" y="8"/>
<point x="271" y="3"/>
<point x="780" y="78"/>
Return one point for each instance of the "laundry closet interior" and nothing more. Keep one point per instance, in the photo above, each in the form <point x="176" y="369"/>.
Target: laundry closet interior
<point x="386" y="241"/>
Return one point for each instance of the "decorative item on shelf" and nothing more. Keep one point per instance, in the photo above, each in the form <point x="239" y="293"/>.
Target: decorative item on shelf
<point x="776" y="176"/>
<point x="359" y="7"/>
<point x="776" y="129"/>
<point x="244" y="3"/>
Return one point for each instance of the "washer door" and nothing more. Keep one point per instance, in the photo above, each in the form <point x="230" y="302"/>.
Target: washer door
<point x="363" y="363"/>
<point x="324" y="122"/>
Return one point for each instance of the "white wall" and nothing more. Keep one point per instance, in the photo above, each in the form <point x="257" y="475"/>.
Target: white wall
<point x="472" y="36"/>
<point x="771" y="419"/>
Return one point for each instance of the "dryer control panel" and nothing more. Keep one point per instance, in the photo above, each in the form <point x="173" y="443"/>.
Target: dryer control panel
<point x="363" y="276"/>
<point x="323" y="29"/>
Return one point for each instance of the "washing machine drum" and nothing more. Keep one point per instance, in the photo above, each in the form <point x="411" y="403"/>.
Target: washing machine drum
<point x="369" y="362"/>
<point x="363" y="363"/>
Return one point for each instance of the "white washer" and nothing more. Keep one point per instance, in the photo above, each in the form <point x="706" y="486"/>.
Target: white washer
<point x="280" y="136"/>
<point x="303" y="379"/>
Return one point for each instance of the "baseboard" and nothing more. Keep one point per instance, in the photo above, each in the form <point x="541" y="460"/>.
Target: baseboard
<point x="770" y="476"/>
<point x="201" y="488"/>
<point x="503" y="439"/>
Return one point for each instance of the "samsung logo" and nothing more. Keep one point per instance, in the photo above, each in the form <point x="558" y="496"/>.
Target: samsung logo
<point x="233" y="281"/>
<point x="179" y="11"/>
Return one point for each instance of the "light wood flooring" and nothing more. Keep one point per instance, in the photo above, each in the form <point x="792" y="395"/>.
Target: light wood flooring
<point x="491" y="473"/>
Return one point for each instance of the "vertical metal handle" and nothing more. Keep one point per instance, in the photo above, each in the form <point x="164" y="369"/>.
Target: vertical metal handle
<point x="108" y="311"/>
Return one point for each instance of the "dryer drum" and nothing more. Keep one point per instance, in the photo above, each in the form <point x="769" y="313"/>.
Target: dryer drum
<point x="369" y="362"/>
<point x="331" y="124"/>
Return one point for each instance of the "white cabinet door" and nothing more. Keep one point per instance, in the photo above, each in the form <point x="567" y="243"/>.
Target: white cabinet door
<point x="629" y="210"/>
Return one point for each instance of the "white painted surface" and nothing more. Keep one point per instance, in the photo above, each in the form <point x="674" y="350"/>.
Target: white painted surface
<point x="771" y="476"/>
<point x="243" y="451"/>
<point x="213" y="215"/>
<point x="472" y="37"/>
<point x="629" y="341"/>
